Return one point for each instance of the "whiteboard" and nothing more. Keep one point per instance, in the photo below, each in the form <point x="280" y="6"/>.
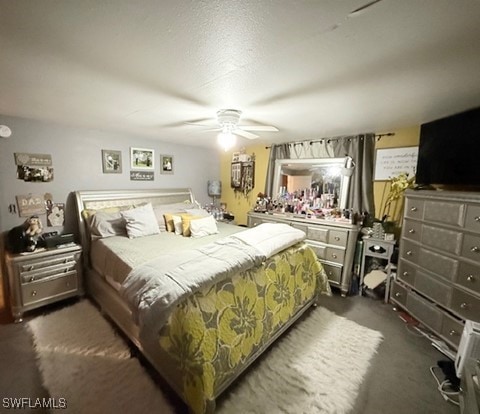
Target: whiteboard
<point x="390" y="162"/>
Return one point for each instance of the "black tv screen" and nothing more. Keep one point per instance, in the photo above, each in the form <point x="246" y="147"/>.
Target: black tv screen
<point x="449" y="151"/>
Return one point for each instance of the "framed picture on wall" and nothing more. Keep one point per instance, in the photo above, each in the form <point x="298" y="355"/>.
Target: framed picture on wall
<point x="166" y="164"/>
<point x="111" y="161"/>
<point x="142" y="159"/>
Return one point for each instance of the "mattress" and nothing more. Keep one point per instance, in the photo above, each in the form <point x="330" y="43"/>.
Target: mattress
<point x="114" y="257"/>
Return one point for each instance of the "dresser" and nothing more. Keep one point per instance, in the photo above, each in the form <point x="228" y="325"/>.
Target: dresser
<point x="334" y="243"/>
<point x="438" y="277"/>
<point x="40" y="278"/>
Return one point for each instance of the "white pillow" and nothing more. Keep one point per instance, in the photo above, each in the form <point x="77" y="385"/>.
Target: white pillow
<point x="203" y="227"/>
<point x="141" y="221"/>
<point x="177" y="223"/>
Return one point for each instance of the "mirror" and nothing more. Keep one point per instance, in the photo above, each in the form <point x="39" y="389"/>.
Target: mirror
<point x="323" y="180"/>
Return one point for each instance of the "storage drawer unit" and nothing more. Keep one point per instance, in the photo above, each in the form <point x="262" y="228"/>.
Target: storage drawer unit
<point x="40" y="278"/>
<point x="333" y="242"/>
<point x="438" y="278"/>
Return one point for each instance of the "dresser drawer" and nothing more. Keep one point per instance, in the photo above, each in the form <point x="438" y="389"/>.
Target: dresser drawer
<point x="444" y="212"/>
<point x="319" y="249"/>
<point x="440" y="264"/>
<point x="337" y="237"/>
<point x="409" y="251"/>
<point x="414" y="208"/>
<point x="335" y="255"/>
<point x="471" y="247"/>
<point x="469" y="276"/>
<point x="465" y="305"/>
<point x="433" y="287"/>
<point x="406" y="272"/>
<point x="334" y="273"/>
<point x="38" y="291"/>
<point x="399" y="293"/>
<point x="412" y="230"/>
<point x="442" y="239"/>
<point x="302" y="227"/>
<point x="424" y="311"/>
<point x="317" y="234"/>
<point x="452" y="329"/>
<point x="472" y="219"/>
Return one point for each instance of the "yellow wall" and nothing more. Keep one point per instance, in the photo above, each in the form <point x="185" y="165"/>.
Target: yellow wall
<point x="239" y="205"/>
<point x="405" y="137"/>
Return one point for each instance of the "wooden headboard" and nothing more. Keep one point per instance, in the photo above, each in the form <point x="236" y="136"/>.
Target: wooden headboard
<point x="98" y="199"/>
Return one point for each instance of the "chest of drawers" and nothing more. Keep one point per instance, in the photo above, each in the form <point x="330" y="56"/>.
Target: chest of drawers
<point x="41" y="278"/>
<point x="333" y="242"/>
<point x="438" y="278"/>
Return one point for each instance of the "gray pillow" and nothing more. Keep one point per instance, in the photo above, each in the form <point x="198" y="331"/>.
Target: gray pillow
<point x="107" y="225"/>
<point x="141" y="221"/>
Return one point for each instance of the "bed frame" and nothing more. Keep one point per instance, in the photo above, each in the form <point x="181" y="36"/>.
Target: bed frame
<point x="108" y="299"/>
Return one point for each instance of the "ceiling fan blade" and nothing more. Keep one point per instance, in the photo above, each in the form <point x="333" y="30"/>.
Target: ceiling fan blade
<point x="265" y="128"/>
<point x="245" y="134"/>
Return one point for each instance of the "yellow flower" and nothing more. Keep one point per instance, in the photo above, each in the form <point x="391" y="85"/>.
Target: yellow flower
<point x="241" y="315"/>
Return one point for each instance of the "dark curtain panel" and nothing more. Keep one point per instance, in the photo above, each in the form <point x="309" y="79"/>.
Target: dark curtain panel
<point x="362" y="149"/>
<point x="277" y="152"/>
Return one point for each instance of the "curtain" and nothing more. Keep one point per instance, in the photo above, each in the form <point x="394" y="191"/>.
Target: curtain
<point x="277" y="152"/>
<point x="360" y="147"/>
<point x="362" y="150"/>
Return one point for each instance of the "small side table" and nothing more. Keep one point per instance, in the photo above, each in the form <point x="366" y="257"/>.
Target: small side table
<point x="381" y="249"/>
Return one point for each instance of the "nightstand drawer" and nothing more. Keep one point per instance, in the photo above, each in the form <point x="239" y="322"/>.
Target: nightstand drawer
<point x="46" y="272"/>
<point x="46" y="289"/>
<point x="32" y="265"/>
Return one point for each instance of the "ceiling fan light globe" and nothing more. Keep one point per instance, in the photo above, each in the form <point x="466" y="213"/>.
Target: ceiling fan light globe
<point x="226" y="140"/>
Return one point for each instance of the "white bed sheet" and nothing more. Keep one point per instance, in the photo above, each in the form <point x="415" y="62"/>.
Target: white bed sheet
<point x="114" y="257"/>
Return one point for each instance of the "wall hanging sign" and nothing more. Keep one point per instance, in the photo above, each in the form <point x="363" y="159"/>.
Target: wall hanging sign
<point x="34" y="167"/>
<point x="390" y="162"/>
<point x="30" y="205"/>
<point x="55" y="214"/>
<point x="141" y="175"/>
<point x="142" y="159"/>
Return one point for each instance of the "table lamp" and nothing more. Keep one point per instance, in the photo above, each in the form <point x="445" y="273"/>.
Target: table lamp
<point x="214" y="188"/>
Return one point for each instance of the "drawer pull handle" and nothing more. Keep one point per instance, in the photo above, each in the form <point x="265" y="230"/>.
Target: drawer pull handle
<point x="34" y="293"/>
<point x="334" y="256"/>
<point x="337" y="238"/>
<point x="413" y="209"/>
<point x="464" y="305"/>
<point x="475" y="249"/>
<point x="411" y="231"/>
<point x="470" y="278"/>
<point x="31" y="268"/>
<point x="68" y="284"/>
<point x="409" y="253"/>
<point x="397" y="295"/>
<point x="405" y="273"/>
<point x="453" y="332"/>
<point x="477" y="219"/>
<point x="32" y="278"/>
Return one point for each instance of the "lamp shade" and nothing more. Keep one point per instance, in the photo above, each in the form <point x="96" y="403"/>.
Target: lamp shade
<point x="214" y="188"/>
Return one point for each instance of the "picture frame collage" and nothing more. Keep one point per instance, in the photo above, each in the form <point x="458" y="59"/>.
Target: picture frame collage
<point x="142" y="163"/>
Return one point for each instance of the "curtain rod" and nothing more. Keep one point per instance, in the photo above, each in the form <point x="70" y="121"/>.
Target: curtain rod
<point x="377" y="136"/>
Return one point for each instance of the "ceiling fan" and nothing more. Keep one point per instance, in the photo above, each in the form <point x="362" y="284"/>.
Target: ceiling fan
<point x="228" y="123"/>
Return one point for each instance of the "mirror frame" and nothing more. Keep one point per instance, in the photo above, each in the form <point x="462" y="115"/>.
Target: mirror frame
<point x="346" y="163"/>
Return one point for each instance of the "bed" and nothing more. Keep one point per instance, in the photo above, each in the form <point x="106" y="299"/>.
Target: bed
<point x="201" y="305"/>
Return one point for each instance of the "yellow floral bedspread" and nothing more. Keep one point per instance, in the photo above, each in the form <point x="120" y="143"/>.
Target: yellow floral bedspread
<point x="212" y="335"/>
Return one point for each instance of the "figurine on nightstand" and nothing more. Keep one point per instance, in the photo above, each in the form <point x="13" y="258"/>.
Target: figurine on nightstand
<point x="24" y="238"/>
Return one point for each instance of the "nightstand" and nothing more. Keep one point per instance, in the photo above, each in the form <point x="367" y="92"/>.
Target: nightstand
<point x="43" y="277"/>
<point x="380" y="249"/>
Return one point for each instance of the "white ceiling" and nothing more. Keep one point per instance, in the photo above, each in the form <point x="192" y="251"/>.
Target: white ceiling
<point x="310" y="68"/>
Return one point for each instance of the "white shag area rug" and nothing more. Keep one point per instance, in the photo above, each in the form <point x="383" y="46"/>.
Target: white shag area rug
<point x="317" y="367"/>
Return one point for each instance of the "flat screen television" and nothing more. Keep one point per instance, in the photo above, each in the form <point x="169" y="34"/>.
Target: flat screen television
<point x="449" y="151"/>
